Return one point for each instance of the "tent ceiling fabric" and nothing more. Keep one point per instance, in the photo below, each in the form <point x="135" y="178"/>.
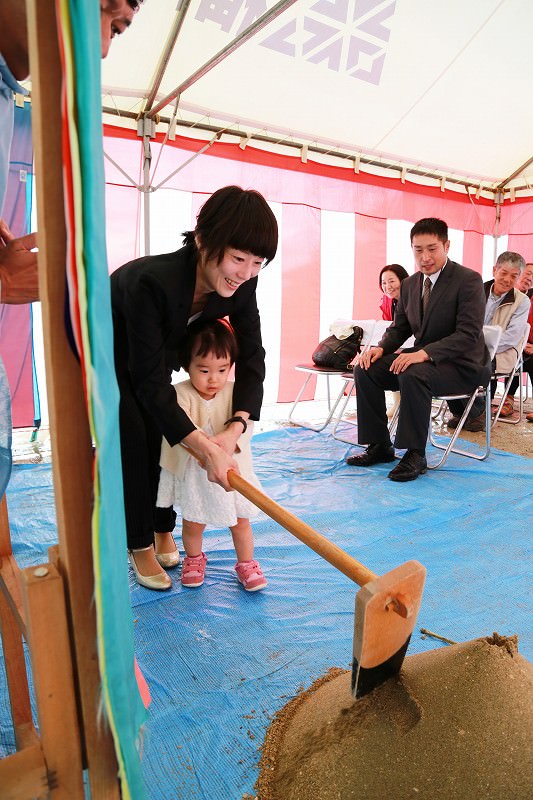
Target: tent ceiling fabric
<point x="441" y="86"/>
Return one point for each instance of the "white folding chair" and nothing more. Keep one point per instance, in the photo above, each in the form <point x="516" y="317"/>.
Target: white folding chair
<point x="375" y="337"/>
<point x="312" y="370"/>
<point x="508" y="377"/>
<point x="492" y="335"/>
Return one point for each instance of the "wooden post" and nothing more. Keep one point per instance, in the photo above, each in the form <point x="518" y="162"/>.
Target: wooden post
<point x="5" y="538"/>
<point x="53" y="681"/>
<point x="23" y="774"/>
<point x="69" y="429"/>
<point x="12" y="625"/>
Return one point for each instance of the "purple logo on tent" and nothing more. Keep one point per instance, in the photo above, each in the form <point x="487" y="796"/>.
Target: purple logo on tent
<point x="343" y="35"/>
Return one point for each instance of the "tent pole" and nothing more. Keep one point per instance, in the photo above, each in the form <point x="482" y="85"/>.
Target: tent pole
<point x="146" y="190"/>
<point x="515" y="174"/>
<point x="497" y="201"/>
<point x="247" y="34"/>
<point x="166" y="54"/>
<point x="117" y="166"/>
<point x="188" y="161"/>
<point x="146" y="129"/>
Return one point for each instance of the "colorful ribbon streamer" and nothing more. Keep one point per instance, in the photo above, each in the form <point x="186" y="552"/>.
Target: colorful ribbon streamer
<point x="90" y="316"/>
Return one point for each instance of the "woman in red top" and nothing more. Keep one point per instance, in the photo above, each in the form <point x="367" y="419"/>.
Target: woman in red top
<point x="390" y="280"/>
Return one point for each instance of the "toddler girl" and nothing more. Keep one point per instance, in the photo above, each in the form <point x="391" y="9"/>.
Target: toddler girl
<point x="207" y="353"/>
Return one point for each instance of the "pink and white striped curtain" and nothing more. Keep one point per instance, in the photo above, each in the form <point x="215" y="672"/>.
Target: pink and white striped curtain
<point x="337" y="229"/>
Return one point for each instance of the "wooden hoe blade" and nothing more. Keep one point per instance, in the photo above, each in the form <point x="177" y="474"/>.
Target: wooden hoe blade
<point x="385" y="615"/>
<point x="385" y="608"/>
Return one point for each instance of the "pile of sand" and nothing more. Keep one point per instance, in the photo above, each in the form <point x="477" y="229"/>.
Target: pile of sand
<point x="456" y="723"/>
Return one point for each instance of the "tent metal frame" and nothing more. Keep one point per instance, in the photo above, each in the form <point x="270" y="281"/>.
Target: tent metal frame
<point x="146" y="128"/>
<point x="226" y="51"/>
<point x="401" y="169"/>
<point x="147" y="120"/>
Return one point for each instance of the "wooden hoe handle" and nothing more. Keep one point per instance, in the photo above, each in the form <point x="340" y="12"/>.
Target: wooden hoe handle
<point x="330" y="552"/>
<point x="353" y="569"/>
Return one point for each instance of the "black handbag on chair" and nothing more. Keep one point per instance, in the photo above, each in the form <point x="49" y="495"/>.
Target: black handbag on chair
<point x="337" y="353"/>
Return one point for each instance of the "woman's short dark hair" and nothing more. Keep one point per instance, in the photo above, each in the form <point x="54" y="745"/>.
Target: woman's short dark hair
<point x="400" y="272"/>
<point x="433" y="225"/>
<point x="235" y="217"/>
<point x="201" y="338"/>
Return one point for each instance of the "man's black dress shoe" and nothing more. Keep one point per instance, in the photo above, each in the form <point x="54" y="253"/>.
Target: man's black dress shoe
<point x="374" y="454"/>
<point x="410" y="467"/>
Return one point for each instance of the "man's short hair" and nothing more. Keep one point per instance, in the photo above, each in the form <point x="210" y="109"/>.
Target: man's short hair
<point x="135" y="4"/>
<point x="514" y="259"/>
<point x="432" y="225"/>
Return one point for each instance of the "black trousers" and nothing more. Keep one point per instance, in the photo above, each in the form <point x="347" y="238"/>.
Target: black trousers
<point x="417" y="385"/>
<point x="140" y="444"/>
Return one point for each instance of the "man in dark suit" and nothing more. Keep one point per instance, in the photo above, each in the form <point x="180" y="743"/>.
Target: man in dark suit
<point x="442" y="306"/>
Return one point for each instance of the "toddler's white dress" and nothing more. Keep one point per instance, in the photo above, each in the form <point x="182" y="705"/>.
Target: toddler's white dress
<point x="200" y="500"/>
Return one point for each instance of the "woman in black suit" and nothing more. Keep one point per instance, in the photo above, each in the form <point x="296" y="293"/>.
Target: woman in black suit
<point x="154" y="299"/>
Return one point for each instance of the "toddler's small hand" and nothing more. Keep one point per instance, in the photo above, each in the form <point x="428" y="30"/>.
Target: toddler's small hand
<point x="226" y="440"/>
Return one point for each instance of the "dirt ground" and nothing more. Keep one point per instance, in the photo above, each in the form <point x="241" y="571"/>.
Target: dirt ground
<point x="422" y="734"/>
<point x="517" y="438"/>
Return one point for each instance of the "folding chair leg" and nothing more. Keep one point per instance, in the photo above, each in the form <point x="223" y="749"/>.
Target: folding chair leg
<point x="297" y="400"/>
<point x="507" y="384"/>
<point x="341" y="415"/>
<point x="440" y="411"/>
<point x="450" y="448"/>
<point x="331" y="406"/>
<point x="392" y="422"/>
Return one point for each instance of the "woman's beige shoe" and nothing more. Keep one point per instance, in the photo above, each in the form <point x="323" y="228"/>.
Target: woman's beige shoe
<point x="159" y="582"/>
<point x="169" y="560"/>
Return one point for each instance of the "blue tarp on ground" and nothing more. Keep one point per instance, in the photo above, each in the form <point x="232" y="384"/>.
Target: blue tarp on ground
<point x="220" y="662"/>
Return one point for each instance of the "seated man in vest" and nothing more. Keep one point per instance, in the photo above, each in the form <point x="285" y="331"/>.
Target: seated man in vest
<point x="524" y="284"/>
<point x="507" y="307"/>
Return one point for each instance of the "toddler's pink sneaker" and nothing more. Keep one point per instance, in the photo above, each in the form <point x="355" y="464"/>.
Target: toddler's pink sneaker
<point x="193" y="571"/>
<point x="250" y="575"/>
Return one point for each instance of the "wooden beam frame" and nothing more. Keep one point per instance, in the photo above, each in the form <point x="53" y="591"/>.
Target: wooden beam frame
<point x="70" y="580"/>
<point x="32" y="606"/>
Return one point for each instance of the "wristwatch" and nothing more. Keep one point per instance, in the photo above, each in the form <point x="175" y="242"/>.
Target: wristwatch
<point x="238" y="419"/>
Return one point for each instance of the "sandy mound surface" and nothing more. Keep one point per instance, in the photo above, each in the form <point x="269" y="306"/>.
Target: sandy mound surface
<point x="456" y="723"/>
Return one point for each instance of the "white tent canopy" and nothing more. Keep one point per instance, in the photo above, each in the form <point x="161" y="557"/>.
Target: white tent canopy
<point x="435" y="91"/>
